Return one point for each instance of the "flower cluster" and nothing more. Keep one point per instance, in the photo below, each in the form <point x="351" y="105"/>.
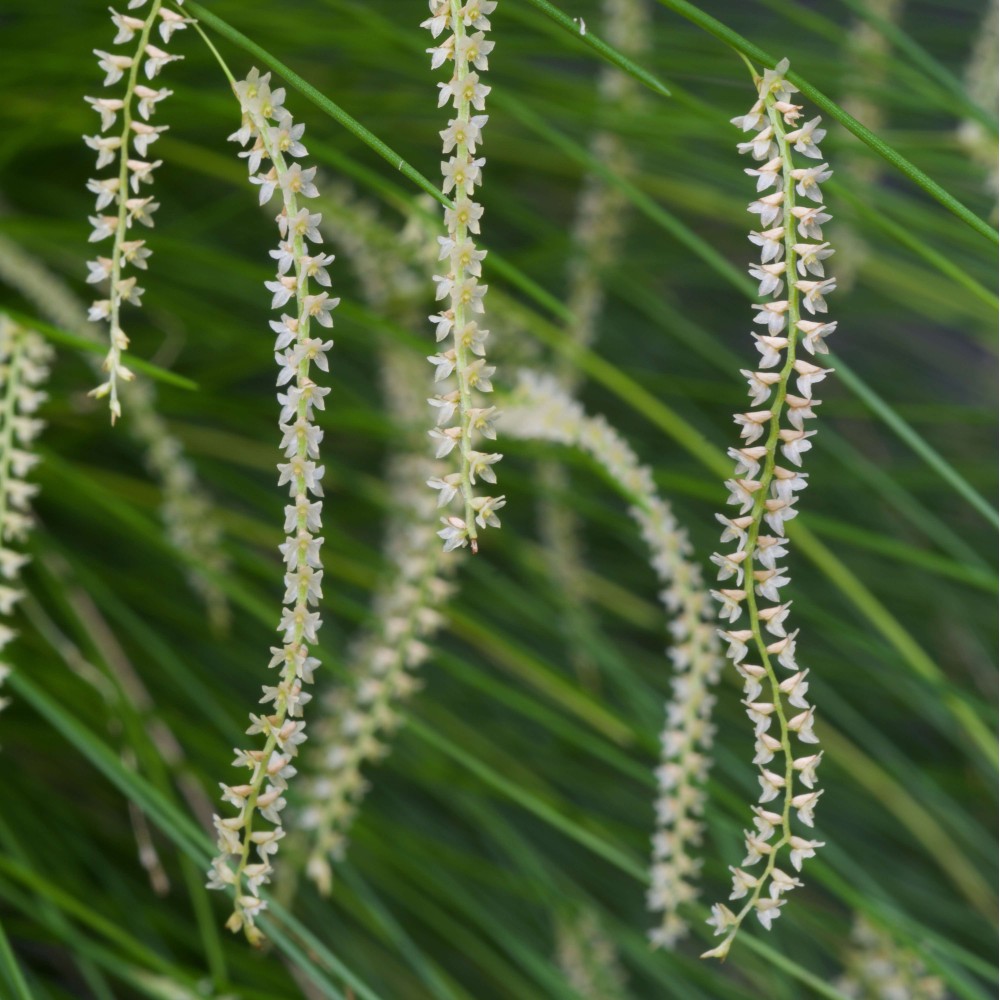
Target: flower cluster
<point x="460" y="422"/>
<point x="764" y="495"/>
<point x="124" y="191"/>
<point x="274" y="137"/>
<point x="406" y="613"/>
<point x="24" y="365"/>
<point x="542" y="410"/>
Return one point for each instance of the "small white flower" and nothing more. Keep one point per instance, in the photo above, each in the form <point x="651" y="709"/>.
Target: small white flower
<point x="114" y="66"/>
<point x="807" y="138"/>
<point x="809" y="179"/>
<point x="768" y="909"/>
<point x="743" y="882"/>
<point x="801" y="849"/>
<point x="156" y="59"/>
<point x="771" y="242"/>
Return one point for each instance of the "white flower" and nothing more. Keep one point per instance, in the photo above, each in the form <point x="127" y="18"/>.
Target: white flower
<point x="770" y="349"/>
<point x="811" y="257"/>
<point x="156" y="59"/>
<point x="771" y="242"/>
<point x="809" y="179"/>
<point x="107" y="108"/>
<point x="773" y="314"/>
<point x="773" y="618"/>
<point x="768" y="207"/>
<point x="815" y="334"/>
<point x="113" y="65"/>
<point x="801" y="849"/>
<point x="768" y="276"/>
<point x="813" y="293"/>
<point x="768" y="909"/>
<point x="743" y="882"/>
<point x="804" y="805"/>
<point x="807" y="138"/>
<point x="760" y="384"/>
<point x="808" y="375"/>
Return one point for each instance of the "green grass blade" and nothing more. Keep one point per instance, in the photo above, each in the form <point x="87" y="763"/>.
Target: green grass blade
<point x="11" y="970"/>
<point x="577" y="29"/>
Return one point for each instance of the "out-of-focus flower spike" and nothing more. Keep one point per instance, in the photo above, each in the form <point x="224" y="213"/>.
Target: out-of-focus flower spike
<point x="25" y="359"/>
<point x="542" y="410"/>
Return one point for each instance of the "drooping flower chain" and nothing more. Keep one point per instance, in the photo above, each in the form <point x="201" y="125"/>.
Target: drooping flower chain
<point x="295" y="353"/>
<point x="360" y="719"/>
<point x="764" y="494"/>
<point x="465" y="44"/>
<point x="129" y="148"/>
<point x="25" y="359"/>
<point x="541" y="409"/>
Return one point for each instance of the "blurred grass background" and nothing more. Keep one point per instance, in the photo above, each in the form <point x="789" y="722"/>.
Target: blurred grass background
<point x="518" y="798"/>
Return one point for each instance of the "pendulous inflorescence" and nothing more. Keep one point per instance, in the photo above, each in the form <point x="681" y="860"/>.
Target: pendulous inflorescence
<point x="121" y="198"/>
<point x="275" y="139"/>
<point x="461" y="420"/>
<point x="542" y="410"/>
<point x="763" y="491"/>
<point x="25" y="359"/>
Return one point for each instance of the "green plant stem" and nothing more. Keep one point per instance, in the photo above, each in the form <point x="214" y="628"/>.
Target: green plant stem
<point x="577" y="29"/>
<point x="60" y="336"/>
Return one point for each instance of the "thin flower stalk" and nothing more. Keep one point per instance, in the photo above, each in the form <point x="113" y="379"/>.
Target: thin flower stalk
<point x="274" y="137"/>
<point x="542" y="410"/>
<point x="129" y="149"/>
<point x="461" y="420"/>
<point x="188" y="513"/>
<point x="25" y="359"/>
<point x="879" y="969"/>
<point x="764" y="493"/>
